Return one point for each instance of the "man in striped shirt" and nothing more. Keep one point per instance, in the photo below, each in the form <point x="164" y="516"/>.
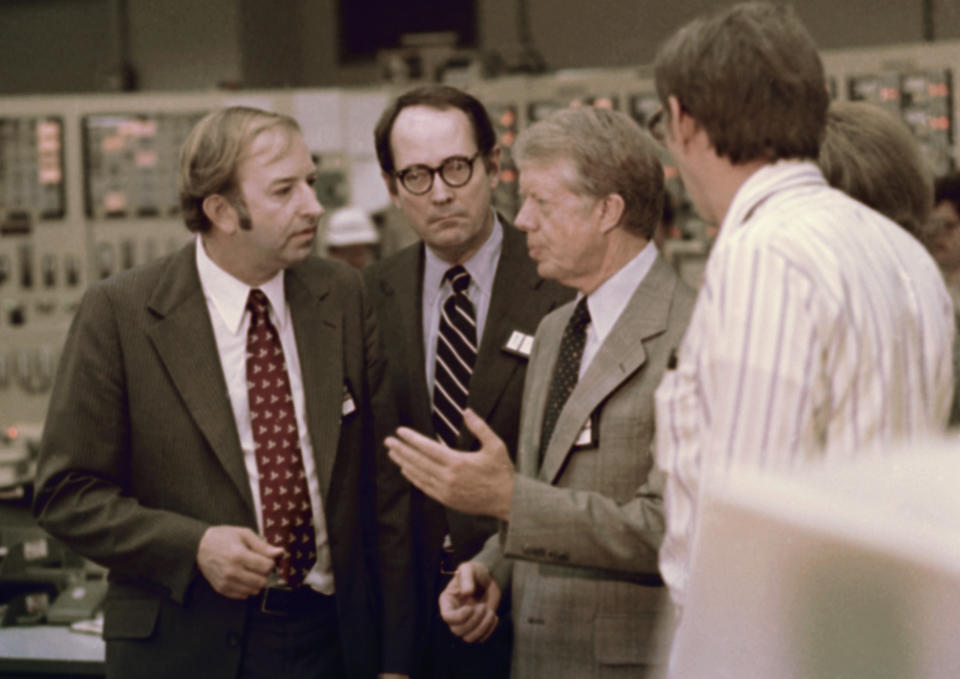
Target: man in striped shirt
<point x="822" y="329"/>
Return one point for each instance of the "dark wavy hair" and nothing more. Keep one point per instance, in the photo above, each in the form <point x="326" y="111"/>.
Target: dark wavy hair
<point x="751" y="76"/>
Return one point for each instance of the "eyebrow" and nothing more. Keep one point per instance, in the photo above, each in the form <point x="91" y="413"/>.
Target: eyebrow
<point x="294" y="178"/>
<point x="428" y="165"/>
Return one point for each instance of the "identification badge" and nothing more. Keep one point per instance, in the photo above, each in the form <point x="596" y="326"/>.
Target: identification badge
<point x="589" y="436"/>
<point x="35" y="549"/>
<point x="519" y="344"/>
<point x="348" y="405"/>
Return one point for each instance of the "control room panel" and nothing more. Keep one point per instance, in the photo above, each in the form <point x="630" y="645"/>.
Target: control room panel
<point x="88" y="183"/>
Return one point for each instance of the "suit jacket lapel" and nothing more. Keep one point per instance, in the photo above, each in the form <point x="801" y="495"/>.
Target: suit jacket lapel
<point x="539" y="375"/>
<point x="619" y="357"/>
<point x="318" y="328"/>
<point x="183" y="338"/>
<point x="403" y="283"/>
<point x="494" y="367"/>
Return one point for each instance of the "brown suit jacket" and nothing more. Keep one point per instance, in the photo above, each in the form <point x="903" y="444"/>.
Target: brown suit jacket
<point x="140" y="455"/>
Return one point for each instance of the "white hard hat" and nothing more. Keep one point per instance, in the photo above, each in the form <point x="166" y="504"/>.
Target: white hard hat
<point x="351" y="226"/>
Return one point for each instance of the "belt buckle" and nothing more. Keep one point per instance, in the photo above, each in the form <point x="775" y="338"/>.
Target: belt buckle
<point x="448" y="564"/>
<point x="273" y="598"/>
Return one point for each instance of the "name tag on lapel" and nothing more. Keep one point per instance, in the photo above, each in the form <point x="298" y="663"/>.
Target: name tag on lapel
<point x="589" y="436"/>
<point x="519" y="344"/>
<point x="348" y="404"/>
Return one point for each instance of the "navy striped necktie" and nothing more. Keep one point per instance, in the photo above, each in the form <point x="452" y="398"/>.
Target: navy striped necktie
<point x="456" y="355"/>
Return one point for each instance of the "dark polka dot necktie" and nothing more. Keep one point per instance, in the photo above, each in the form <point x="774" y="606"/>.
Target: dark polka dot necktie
<point x="456" y="355"/>
<point x="566" y="371"/>
<point x="287" y="512"/>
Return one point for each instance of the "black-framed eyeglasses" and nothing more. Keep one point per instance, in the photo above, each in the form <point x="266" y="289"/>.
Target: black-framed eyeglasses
<point x="455" y="171"/>
<point x="655" y="126"/>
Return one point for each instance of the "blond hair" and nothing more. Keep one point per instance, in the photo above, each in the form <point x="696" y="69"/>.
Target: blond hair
<point x="212" y="154"/>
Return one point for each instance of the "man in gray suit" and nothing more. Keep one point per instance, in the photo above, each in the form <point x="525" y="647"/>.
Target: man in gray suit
<point x="440" y="161"/>
<point x="167" y="449"/>
<point x="582" y="515"/>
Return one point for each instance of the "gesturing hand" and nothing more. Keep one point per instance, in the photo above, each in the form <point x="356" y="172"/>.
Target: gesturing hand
<point x="479" y="482"/>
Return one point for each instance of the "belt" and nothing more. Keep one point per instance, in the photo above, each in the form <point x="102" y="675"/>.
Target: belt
<point x="294" y="602"/>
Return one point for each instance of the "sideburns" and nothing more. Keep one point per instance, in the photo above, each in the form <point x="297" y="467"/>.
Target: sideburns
<point x="243" y="214"/>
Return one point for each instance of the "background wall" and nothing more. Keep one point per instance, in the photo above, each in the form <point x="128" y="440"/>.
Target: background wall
<point x="52" y="46"/>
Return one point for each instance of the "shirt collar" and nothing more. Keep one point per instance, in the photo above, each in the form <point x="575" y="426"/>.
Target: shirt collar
<point x="762" y="184"/>
<point x="608" y="301"/>
<point x="229" y="295"/>
<point x="482" y="266"/>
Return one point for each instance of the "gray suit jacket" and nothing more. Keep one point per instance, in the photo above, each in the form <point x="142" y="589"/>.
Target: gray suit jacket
<point x="580" y="550"/>
<point x="140" y="455"/>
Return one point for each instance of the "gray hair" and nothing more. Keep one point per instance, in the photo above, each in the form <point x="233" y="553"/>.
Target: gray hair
<point x="610" y="153"/>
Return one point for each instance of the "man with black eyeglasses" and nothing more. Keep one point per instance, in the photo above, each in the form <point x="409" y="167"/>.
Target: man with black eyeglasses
<point x="458" y="312"/>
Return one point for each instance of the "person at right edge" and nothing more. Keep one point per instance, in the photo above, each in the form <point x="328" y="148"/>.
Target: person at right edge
<point x="871" y="154"/>
<point x="823" y="330"/>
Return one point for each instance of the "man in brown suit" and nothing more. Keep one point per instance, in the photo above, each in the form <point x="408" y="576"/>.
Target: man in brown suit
<point x="156" y="463"/>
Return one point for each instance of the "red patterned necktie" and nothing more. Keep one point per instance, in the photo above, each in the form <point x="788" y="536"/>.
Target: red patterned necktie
<point x="287" y="513"/>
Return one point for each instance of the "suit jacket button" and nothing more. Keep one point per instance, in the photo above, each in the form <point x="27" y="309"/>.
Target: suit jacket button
<point x="233" y="640"/>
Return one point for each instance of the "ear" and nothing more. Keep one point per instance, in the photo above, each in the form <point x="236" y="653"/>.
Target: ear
<point x="492" y="163"/>
<point x="221" y="213"/>
<point x="391" y="183"/>
<point x="681" y="126"/>
<point x="611" y="212"/>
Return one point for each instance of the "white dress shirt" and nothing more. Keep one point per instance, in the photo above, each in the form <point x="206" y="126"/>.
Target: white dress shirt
<point x="482" y="267"/>
<point x="608" y="301"/>
<point x="822" y="330"/>
<point x="226" y="299"/>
